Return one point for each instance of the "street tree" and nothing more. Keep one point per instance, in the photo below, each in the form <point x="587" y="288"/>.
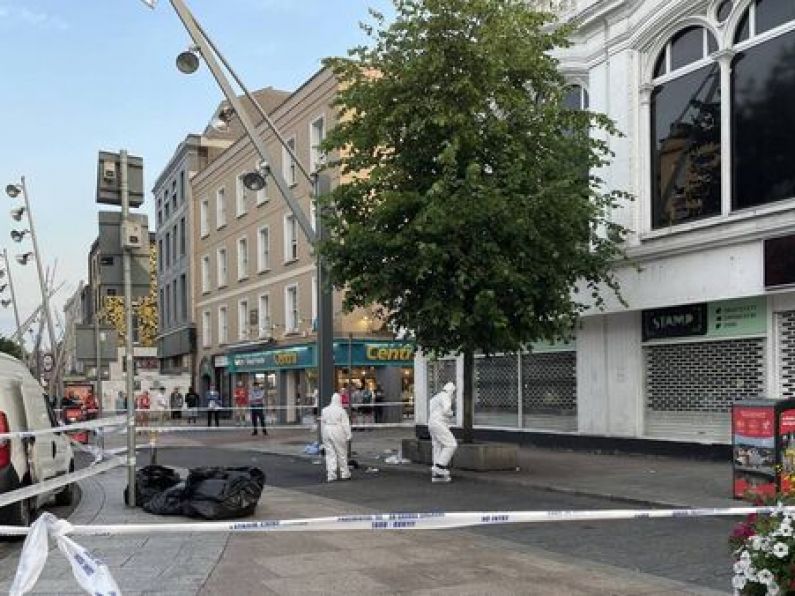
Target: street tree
<point x="470" y="207"/>
<point x="10" y="347"/>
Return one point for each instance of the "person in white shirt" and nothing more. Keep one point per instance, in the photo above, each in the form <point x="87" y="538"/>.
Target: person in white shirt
<point x="444" y="443"/>
<point x="335" y="429"/>
<point x="159" y="405"/>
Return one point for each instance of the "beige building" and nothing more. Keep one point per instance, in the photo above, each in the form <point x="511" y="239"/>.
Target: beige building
<point x="254" y="275"/>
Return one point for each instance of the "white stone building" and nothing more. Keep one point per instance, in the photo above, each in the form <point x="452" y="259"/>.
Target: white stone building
<point x="704" y="93"/>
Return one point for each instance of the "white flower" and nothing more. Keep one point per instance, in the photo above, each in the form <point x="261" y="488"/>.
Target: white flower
<point x="738" y="582"/>
<point x="745" y="556"/>
<point x="756" y="542"/>
<point x="741" y="566"/>
<point x="773" y="590"/>
<point x="785" y="531"/>
<point x="750" y="574"/>
<point x="781" y="550"/>
<point x="765" y="577"/>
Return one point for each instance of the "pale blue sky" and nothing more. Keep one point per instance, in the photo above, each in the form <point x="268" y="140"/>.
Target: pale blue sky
<point x="84" y="75"/>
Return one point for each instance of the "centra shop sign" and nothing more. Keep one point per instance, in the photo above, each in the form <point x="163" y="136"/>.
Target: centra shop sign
<point x="675" y="321"/>
<point x="390" y="352"/>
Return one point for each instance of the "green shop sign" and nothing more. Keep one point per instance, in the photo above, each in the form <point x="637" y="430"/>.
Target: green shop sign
<point x="355" y="353"/>
<point x="746" y="316"/>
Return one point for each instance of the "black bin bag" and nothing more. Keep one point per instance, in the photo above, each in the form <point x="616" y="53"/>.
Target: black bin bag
<point x="170" y="502"/>
<point x="151" y="481"/>
<point x="222" y="493"/>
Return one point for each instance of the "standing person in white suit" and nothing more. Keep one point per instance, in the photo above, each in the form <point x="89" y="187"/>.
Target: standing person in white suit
<point x="336" y="432"/>
<point x="444" y="443"/>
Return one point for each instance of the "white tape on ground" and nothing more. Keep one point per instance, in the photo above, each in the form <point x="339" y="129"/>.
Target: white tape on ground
<point x="89" y="425"/>
<point x="53" y="484"/>
<point x="405" y="521"/>
<point x="92" y="575"/>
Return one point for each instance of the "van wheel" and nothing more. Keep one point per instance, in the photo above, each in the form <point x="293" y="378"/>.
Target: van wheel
<point x="67" y="495"/>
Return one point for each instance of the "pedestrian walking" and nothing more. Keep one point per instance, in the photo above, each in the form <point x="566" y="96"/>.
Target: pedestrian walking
<point x="256" y="402"/>
<point x="176" y="400"/>
<point x="142" y="408"/>
<point x="213" y="406"/>
<point x="378" y="397"/>
<point x="367" y="405"/>
<point x="335" y="430"/>
<point x="192" y="402"/>
<point x="241" y="403"/>
<point x="444" y="443"/>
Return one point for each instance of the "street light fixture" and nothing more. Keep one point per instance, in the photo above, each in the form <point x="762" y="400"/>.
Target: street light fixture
<point x="221" y="122"/>
<point x="16" y="214"/>
<point x="188" y="61"/>
<point x="18" y="235"/>
<point x="6" y="302"/>
<point x="13" y="190"/>
<point x="24" y="258"/>
<point x="256" y="180"/>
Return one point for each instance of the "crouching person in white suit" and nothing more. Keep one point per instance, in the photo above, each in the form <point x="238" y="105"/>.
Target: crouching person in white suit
<point x="336" y="432"/>
<point x="444" y="443"/>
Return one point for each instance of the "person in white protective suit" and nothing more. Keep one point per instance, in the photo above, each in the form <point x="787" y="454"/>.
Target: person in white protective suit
<point x="444" y="443"/>
<point x="335" y="429"/>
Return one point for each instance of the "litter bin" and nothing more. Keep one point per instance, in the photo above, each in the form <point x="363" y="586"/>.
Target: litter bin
<point x="763" y="447"/>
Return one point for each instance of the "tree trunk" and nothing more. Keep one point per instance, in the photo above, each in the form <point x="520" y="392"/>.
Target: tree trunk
<point x="469" y="371"/>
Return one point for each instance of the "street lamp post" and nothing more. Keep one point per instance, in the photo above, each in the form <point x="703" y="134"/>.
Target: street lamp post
<point x="188" y="63"/>
<point x="13" y="190"/>
<point x="14" y="302"/>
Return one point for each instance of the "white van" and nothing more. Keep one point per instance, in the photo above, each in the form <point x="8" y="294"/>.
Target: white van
<point x="25" y="461"/>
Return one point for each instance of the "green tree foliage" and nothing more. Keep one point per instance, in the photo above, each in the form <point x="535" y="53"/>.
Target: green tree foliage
<point x="466" y="209"/>
<point x="10" y="347"/>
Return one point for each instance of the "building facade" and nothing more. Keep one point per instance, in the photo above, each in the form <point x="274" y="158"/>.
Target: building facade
<point x="701" y="91"/>
<point x="255" y="280"/>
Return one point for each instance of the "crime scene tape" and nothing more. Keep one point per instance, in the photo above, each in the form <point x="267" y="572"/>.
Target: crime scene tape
<point x="52" y="484"/>
<point x="89" y="425"/>
<point x="95" y="577"/>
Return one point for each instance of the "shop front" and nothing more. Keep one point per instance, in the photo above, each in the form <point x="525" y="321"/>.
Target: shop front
<point x="289" y="376"/>
<point x="698" y="360"/>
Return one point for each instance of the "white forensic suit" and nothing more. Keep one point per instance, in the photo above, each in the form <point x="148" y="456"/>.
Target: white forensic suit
<point x="444" y="443"/>
<point x="335" y="430"/>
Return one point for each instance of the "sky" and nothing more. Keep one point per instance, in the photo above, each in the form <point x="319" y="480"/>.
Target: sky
<point x="81" y="76"/>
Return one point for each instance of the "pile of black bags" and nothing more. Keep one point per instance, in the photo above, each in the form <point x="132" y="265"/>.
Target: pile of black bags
<point x="208" y="493"/>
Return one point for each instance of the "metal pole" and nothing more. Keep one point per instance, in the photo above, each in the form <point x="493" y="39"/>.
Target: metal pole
<point x="209" y="51"/>
<point x="14" y="302"/>
<point x="98" y="384"/>
<point x="325" y="315"/>
<point x="45" y="298"/>
<point x="128" y="344"/>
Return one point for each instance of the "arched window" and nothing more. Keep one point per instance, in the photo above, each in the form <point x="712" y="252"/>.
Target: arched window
<point x="763" y="93"/>
<point x="685" y="130"/>
<point x="724" y="9"/>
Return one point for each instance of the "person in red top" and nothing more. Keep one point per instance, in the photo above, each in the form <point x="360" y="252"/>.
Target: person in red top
<point x="143" y="404"/>
<point x="241" y="404"/>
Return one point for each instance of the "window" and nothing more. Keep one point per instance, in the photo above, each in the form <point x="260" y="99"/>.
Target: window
<point x="220" y="208"/>
<point x="262" y="195"/>
<point x="167" y="313"/>
<point x="182" y="249"/>
<point x="205" y="217"/>
<point x="205" y="273"/>
<point x="174" y="200"/>
<point x="576" y="98"/>
<point x="264" y="315"/>
<point x="290" y="239"/>
<point x="240" y="196"/>
<point x="182" y="186"/>
<point x="174" y="311"/>
<point x="207" y="334"/>
<point x="317" y="132"/>
<point x="223" y="325"/>
<point x="242" y="258"/>
<point x="762" y="119"/>
<point x="685" y="132"/>
<point x="168" y="249"/>
<point x="183" y="294"/>
<point x="242" y="320"/>
<point x="291" y="309"/>
<point x="162" y="307"/>
<point x="263" y="249"/>
<point x="288" y="163"/>
<point x="724" y="10"/>
<point x="160" y="255"/>
<point x="222" y="267"/>
<point x="174" y="253"/>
